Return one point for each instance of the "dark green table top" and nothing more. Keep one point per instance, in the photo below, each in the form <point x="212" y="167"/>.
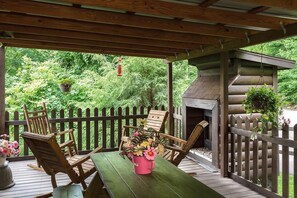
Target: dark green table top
<point x="166" y="180"/>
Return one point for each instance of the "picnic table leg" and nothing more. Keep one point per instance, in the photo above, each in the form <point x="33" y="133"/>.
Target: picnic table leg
<point x="96" y="188"/>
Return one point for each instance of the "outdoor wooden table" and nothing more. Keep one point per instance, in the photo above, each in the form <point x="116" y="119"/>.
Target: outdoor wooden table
<point x="166" y="180"/>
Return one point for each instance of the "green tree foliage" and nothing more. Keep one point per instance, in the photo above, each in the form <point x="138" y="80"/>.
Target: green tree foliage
<point x="143" y="83"/>
<point x="287" y="79"/>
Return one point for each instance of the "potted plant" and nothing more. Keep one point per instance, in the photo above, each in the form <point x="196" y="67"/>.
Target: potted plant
<point x="65" y="84"/>
<point x="265" y="101"/>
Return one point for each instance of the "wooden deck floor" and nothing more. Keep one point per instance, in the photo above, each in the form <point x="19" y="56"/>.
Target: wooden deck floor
<point x="30" y="182"/>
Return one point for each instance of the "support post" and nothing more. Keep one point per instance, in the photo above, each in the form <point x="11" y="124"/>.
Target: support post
<point x="170" y="100"/>
<point x="2" y="89"/>
<point x="224" y="112"/>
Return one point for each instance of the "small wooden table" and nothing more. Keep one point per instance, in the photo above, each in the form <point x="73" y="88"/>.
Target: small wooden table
<point x="166" y="180"/>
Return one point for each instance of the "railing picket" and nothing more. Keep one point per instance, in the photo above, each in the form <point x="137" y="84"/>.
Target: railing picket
<point x="232" y="141"/>
<point x="264" y="181"/>
<point x="53" y="124"/>
<point x="26" y="149"/>
<point x="255" y="154"/>
<point x="104" y="128"/>
<point x="79" y="130"/>
<point x="127" y="120"/>
<point x="285" y="156"/>
<point x="96" y="129"/>
<point x="88" y="129"/>
<point x="274" y="176"/>
<point x="62" y="125"/>
<point x="16" y="129"/>
<point x="134" y="118"/>
<point x="112" y="127"/>
<point x="247" y="150"/>
<point x="239" y="147"/>
<point x="120" y="125"/>
<point x="295" y="162"/>
<point x="70" y="115"/>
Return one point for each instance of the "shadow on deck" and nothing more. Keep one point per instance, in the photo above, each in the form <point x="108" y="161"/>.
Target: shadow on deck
<point x="30" y="182"/>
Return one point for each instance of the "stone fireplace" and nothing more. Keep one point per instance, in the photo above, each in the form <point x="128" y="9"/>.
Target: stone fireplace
<point x="201" y="102"/>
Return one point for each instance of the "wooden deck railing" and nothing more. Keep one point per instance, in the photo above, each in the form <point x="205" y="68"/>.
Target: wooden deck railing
<point x="255" y="163"/>
<point x="92" y="127"/>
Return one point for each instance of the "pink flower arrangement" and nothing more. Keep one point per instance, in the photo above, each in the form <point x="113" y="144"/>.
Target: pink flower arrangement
<point x="8" y="148"/>
<point x="143" y="143"/>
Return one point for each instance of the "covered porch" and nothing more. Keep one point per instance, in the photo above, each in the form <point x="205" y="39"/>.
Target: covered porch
<point x="171" y="30"/>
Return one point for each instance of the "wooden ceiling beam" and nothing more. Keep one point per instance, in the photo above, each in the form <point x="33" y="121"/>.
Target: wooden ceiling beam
<point x="163" y="8"/>
<point x="67" y="12"/>
<point x="207" y="3"/>
<point x="271" y="35"/>
<point x="70" y="47"/>
<point x="122" y="53"/>
<point x="284" y="4"/>
<point x="258" y="9"/>
<point x="36" y="21"/>
<point x="95" y="37"/>
<point x="82" y="41"/>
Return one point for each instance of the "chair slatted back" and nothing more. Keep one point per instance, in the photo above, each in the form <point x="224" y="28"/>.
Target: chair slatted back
<point x="37" y="121"/>
<point x="156" y="119"/>
<point x="178" y="151"/>
<point x="49" y="154"/>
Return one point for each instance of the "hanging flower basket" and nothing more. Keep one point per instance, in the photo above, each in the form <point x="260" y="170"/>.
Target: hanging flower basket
<point x="265" y="101"/>
<point x="65" y="84"/>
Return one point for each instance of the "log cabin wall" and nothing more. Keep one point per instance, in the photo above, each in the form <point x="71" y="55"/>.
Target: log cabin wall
<point x="246" y="70"/>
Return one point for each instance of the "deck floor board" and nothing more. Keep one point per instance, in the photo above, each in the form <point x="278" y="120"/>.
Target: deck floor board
<point x="30" y="182"/>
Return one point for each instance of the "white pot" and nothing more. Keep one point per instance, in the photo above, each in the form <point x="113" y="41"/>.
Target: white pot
<point x="2" y="161"/>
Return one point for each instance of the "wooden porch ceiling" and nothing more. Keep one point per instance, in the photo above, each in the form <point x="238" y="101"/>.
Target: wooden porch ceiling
<point x="171" y="29"/>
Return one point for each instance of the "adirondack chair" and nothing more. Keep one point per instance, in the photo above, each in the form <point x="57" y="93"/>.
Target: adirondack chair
<point x="179" y="148"/>
<point x="52" y="159"/>
<point x="156" y="120"/>
<point x="38" y="123"/>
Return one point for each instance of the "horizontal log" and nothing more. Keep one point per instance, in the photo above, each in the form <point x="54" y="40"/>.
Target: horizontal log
<point x="236" y="99"/>
<point x="241" y="89"/>
<point x="253" y="80"/>
<point x="235" y="109"/>
<point x="250" y="71"/>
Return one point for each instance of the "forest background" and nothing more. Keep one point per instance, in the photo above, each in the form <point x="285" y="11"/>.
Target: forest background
<point x="32" y="77"/>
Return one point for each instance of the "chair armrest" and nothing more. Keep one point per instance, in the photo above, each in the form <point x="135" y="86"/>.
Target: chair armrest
<point x="68" y="143"/>
<point x="64" y="132"/>
<point x="170" y="137"/>
<point x="86" y="157"/>
<point x="174" y="148"/>
<point x="130" y="127"/>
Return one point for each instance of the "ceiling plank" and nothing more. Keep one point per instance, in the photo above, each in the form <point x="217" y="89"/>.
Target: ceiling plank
<point x="37" y="21"/>
<point x="68" y="47"/>
<point x="171" y="9"/>
<point x="95" y="37"/>
<point x="94" y="43"/>
<point x="68" y="12"/>
<point x="271" y="35"/>
<point x="285" y="4"/>
<point x="258" y="9"/>
<point x="207" y="3"/>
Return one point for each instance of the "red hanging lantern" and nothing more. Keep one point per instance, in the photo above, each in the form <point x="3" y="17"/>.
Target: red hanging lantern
<point x="119" y="67"/>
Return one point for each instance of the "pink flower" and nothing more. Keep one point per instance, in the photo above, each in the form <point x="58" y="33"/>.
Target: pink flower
<point x="15" y="144"/>
<point x="5" y="151"/>
<point x="136" y="133"/>
<point x="150" y="153"/>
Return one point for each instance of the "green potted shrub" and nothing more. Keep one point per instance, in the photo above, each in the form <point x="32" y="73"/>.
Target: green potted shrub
<point x="265" y="101"/>
<point x="65" y="84"/>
